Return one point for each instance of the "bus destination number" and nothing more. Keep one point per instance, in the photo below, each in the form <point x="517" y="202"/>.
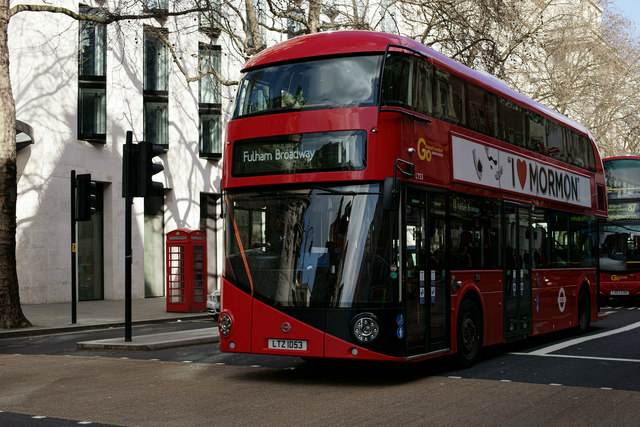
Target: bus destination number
<point x="299" y="345"/>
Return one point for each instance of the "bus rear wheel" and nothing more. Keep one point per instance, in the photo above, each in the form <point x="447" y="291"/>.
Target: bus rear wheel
<point x="469" y="333"/>
<point x="584" y="312"/>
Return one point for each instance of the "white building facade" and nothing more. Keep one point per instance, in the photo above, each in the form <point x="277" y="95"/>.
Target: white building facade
<point x="80" y="86"/>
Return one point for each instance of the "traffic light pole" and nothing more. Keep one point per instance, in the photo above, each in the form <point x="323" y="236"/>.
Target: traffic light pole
<point x="128" y="201"/>
<point x="73" y="248"/>
<point x="138" y="169"/>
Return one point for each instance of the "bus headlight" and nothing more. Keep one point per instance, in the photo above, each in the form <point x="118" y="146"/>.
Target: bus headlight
<point x="365" y="327"/>
<point x="224" y="324"/>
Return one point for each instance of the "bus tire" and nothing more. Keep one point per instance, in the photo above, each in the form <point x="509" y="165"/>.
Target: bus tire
<point x="469" y="333"/>
<point x="584" y="312"/>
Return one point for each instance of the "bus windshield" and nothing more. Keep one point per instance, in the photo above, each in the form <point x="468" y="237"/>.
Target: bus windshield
<point x="319" y="84"/>
<point x="623" y="178"/>
<point x="298" y="248"/>
<point x="620" y="250"/>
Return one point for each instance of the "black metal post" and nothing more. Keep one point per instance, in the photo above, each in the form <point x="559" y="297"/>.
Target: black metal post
<point x="73" y="248"/>
<point x="127" y="239"/>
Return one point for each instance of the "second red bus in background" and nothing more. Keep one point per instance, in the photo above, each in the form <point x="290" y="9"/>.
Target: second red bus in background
<point x="620" y="234"/>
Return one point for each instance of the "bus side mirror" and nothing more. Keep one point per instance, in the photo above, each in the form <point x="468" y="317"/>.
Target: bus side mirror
<point x="391" y="194"/>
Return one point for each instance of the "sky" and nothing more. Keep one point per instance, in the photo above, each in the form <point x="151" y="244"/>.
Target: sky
<point x="631" y="10"/>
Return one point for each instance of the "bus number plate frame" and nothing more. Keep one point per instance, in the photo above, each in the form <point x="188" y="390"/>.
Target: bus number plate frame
<point x="286" y="344"/>
<point x="619" y="293"/>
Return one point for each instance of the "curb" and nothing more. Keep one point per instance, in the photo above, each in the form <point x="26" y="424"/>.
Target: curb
<point x="39" y="331"/>
<point x="155" y="341"/>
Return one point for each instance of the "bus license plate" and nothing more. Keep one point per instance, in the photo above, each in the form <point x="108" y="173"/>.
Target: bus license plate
<point x="619" y="293"/>
<point x="278" y="344"/>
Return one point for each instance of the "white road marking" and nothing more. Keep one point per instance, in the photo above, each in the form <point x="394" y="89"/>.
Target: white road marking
<point x="568" y="356"/>
<point x="546" y="352"/>
<point x="576" y="341"/>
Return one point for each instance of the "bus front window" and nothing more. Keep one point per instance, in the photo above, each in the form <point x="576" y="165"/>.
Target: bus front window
<point x="312" y="248"/>
<point x="324" y="83"/>
<point x="620" y="249"/>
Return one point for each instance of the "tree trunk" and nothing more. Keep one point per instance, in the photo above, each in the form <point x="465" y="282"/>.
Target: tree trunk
<point x="11" y="315"/>
<point x="315" y="8"/>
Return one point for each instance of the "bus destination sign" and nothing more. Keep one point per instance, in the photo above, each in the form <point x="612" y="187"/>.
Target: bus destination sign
<point x="299" y="153"/>
<point x="624" y="210"/>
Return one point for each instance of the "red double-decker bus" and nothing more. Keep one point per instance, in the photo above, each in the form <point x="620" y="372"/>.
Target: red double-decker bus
<point x="383" y="201"/>
<point x="620" y="234"/>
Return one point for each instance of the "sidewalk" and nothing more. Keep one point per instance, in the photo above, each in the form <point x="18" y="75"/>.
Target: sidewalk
<point x="50" y="319"/>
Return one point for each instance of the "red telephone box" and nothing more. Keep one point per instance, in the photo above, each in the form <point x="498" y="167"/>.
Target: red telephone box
<point x="186" y="270"/>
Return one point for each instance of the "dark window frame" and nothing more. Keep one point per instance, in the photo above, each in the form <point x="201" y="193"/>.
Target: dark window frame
<point x="91" y="79"/>
<point x="154" y="91"/>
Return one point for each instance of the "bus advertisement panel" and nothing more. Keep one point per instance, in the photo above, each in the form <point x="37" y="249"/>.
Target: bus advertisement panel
<point x="384" y="202"/>
<point x="620" y="234"/>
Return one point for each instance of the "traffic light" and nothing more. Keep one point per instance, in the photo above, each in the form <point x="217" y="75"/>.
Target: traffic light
<point x="145" y="185"/>
<point x="86" y="197"/>
<point x="138" y="162"/>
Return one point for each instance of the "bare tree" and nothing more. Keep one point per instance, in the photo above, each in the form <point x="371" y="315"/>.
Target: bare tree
<point x="11" y="315"/>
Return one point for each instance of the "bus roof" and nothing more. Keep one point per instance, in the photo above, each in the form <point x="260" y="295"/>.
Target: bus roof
<point x="629" y="157"/>
<point x="348" y="42"/>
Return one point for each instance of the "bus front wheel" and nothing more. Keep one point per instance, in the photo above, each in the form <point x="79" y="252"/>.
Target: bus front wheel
<point x="469" y="333"/>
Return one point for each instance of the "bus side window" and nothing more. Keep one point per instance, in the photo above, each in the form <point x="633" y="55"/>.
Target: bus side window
<point x="554" y="140"/>
<point x="589" y="158"/>
<point x="449" y="94"/>
<point x="537" y="134"/>
<point x="396" y="81"/>
<point x="511" y="122"/>
<point x="422" y="90"/>
<point x="475" y="233"/>
<point x="558" y="233"/>
<point x="482" y="110"/>
<point x="539" y="237"/>
<point x="581" y="154"/>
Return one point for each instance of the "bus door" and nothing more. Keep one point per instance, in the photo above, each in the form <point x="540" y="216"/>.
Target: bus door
<point x="426" y="298"/>
<point x="517" y="273"/>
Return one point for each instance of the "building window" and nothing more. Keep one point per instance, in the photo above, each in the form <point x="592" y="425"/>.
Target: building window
<point x="295" y="26"/>
<point x="90" y="252"/>
<point x="208" y="21"/>
<point x="156" y="120"/>
<point x="154" y="209"/>
<point x="92" y="80"/>
<point x="388" y="21"/>
<point x="153" y="5"/>
<point x="156" y="86"/>
<point x="210" y="104"/>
